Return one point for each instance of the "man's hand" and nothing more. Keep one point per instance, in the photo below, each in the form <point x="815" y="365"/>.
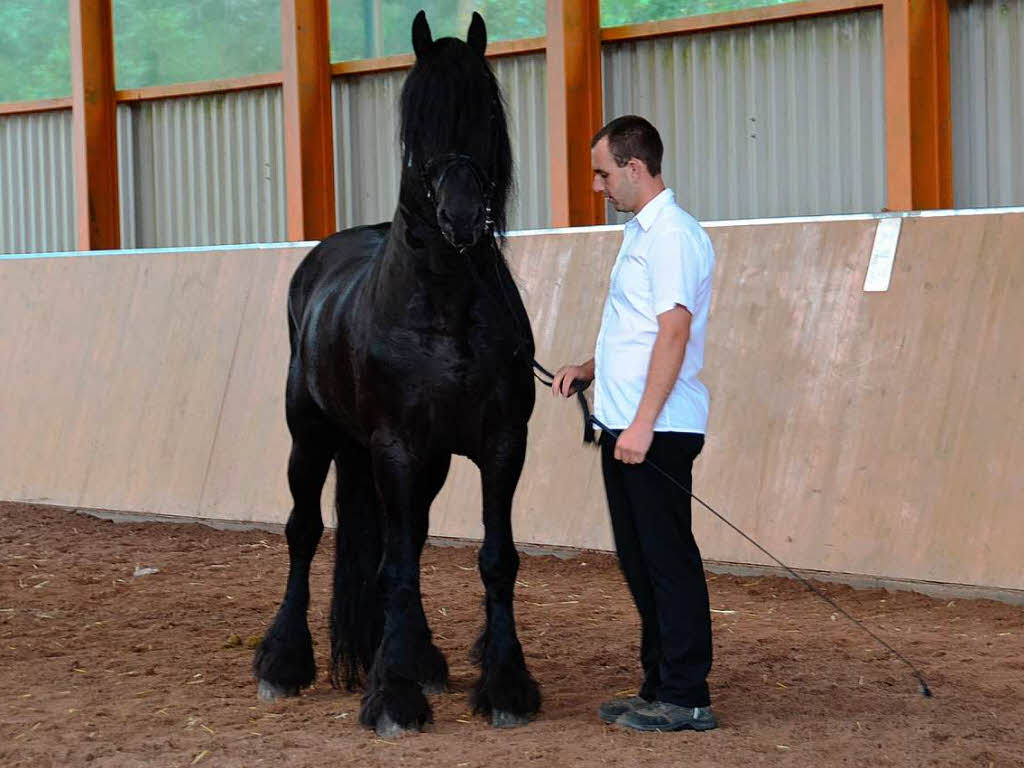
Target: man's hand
<point x="566" y="375"/>
<point x="633" y="443"/>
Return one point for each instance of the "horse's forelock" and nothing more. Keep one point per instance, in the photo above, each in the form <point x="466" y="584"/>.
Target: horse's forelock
<point x="451" y="103"/>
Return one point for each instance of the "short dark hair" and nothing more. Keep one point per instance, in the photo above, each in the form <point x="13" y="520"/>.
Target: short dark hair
<point x="631" y="136"/>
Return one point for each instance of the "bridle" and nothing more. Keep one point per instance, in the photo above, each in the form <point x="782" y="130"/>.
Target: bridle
<point x="439" y="167"/>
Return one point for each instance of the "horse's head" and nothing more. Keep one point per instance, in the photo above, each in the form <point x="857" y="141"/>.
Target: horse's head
<point x="462" y="197"/>
<point x="456" y="150"/>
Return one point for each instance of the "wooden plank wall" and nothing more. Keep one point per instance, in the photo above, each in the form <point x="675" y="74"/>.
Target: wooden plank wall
<point x="865" y="433"/>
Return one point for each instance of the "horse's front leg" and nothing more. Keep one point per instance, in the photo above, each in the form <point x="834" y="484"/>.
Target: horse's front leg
<point x="406" y="660"/>
<point x="506" y="691"/>
<point x="284" y="660"/>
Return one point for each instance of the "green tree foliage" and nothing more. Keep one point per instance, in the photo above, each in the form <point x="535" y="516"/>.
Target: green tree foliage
<point x="617" y="12"/>
<point x="35" y="50"/>
<point x="158" y="42"/>
<point x="369" y="28"/>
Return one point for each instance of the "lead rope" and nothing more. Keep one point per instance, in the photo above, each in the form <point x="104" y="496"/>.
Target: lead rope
<point x="588" y="437"/>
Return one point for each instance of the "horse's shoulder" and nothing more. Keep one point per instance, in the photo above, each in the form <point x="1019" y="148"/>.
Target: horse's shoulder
<point x="333" y="267"/>
<point x="342" y="251"/>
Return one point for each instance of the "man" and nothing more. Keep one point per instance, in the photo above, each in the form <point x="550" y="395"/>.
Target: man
<point x="649" y="351"/>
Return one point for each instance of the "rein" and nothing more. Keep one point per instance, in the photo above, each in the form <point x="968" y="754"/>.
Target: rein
<point x="578" y="387"/>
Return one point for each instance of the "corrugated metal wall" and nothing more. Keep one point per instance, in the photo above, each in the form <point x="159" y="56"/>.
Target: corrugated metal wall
<point x="987" y="61"/>
<point x="771" y="120"/>
<point x="524" y="83"/>
<point x="37" y="183"/>
<point x="203" y="170"/>
<point x="366" y="159"/>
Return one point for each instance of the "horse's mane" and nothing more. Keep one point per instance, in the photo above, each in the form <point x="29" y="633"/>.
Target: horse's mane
<point x="451" y="103"/>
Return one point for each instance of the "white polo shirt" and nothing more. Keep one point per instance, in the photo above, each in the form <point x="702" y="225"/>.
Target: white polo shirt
<point x="666" y="259"/>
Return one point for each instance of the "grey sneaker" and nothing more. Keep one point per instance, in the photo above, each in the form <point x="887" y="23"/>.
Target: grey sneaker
<point x="612" y="710"/>
<point x="662" y="716"/>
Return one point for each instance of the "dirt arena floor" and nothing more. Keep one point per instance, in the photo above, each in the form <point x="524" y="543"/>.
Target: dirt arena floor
<point x="100" y="667"/>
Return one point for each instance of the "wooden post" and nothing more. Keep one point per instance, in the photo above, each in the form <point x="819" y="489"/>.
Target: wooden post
<point x="574" y="109"/>
<point x="308" y="128"/>
<point x="918" y="132"/>
<point x="94" y="125"/>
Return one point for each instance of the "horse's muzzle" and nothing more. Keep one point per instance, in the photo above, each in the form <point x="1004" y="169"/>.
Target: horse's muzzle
<point x="462" y="230"/>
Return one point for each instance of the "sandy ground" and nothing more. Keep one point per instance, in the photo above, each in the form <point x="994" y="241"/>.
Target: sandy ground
<point x="99" y="667"/>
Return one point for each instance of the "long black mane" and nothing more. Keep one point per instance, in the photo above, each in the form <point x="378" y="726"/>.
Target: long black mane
<point x="451" y="103"/>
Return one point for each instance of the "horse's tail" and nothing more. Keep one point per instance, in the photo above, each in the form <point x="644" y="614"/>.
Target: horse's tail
<point x="357" y="613"/>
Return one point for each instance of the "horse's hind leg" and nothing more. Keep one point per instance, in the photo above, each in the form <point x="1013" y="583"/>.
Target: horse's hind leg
<point x="407" y="658"/>
<point x="284" y="660"/>
<point x="357" y="610"/>
<point x="505" y="691"/>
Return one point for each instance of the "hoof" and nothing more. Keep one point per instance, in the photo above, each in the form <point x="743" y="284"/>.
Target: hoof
<point x="509" y="695"/>
<point x="433" y="671"/>
<point x="501" y="719"/>
<point x="269" y="692"/>
<point x="397" y="708"/>
<point x="389" y="730"/>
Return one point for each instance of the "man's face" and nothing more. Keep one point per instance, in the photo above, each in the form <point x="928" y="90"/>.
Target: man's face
<point x="610" y="180"/>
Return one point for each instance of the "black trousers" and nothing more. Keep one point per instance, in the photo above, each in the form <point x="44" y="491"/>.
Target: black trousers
<point x="662" y="565"/>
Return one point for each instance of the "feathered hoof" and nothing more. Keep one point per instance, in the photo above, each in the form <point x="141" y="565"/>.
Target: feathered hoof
<point x="389" y="730"/>
<point x="500" y="719"/>
<point x="508" y="695"/>
<point x="433" y="671"/>
<point x="269" y="692"/>
<point x="395" y="709"/>
<point x="283" y="663"/>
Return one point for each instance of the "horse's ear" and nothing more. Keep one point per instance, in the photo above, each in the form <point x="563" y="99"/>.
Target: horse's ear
<point x="477" y="37"/>
<point x="421" y="38"/>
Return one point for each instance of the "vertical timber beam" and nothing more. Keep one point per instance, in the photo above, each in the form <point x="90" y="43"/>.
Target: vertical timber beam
<point x="94" y="125"/>
<point x="308" y="125"/>
<point x="574" y="109"/>
<point x="918" y="121"/>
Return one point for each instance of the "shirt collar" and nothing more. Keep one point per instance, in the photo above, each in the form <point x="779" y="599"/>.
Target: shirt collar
<point x="650" y="211"/>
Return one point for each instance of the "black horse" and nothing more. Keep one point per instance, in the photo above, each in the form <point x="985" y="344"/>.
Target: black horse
<point x="410" y="343"/>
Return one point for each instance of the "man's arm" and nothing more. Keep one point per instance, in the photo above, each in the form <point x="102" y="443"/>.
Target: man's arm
<point x="666" y="361"/>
